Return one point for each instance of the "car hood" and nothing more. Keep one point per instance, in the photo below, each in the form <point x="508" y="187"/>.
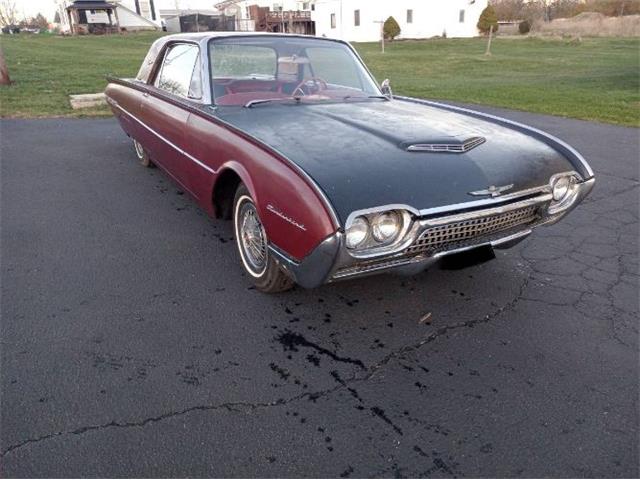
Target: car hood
<point x="357" y="152"/>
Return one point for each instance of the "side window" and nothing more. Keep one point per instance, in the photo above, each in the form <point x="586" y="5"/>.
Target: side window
<point x="180" y="71"/>
<point x="195" y="87"/>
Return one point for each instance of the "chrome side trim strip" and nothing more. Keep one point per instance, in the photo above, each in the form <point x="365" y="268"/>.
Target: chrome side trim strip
<point x="168" y="142"/>
<point x="547" y="138"/>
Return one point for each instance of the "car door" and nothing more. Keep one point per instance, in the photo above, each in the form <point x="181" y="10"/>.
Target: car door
<point x="175" y="82"/>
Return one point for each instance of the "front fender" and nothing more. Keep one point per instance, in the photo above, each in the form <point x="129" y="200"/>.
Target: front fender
<point x="294" y="216"/>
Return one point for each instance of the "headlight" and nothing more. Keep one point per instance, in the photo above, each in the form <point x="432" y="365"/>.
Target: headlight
<point x="561" y="188"/>
<point x="374" y="232"/>
<point x="386" y="226"/>
<point x="564" y="188"/>
<point x="357" y="233"/>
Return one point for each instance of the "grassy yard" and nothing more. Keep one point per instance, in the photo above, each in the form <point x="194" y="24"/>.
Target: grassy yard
<point x="597" y="79"/>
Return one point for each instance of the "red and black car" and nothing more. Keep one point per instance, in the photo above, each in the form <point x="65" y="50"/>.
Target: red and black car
<point x="328" y="176"/>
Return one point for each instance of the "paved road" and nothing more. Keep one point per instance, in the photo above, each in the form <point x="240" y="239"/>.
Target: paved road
<point x="132" y="344"/>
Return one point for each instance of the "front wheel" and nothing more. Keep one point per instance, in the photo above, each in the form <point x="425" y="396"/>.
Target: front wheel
<point x="252" y="242"/>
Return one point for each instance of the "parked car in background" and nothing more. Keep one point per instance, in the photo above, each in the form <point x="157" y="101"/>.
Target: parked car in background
<point x="326" y="175"/>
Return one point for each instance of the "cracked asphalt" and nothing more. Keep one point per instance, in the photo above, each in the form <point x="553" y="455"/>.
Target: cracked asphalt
<point x="133" y="345"/>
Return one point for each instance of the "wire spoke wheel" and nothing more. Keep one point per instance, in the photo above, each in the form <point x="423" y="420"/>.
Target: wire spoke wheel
<point x="253" y="245"/>
<point x="253" y="240"/>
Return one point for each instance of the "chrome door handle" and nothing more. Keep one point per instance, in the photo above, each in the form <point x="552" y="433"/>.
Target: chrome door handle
<point x="145" y="94"/>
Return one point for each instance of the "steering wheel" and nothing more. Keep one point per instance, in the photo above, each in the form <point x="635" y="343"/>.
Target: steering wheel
<point x="315" y="83"/>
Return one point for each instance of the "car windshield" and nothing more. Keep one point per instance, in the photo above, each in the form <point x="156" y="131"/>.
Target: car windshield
<point x="248" y="71"/>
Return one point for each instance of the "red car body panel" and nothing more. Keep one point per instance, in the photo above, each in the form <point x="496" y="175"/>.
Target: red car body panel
<point x="196" y="150"/>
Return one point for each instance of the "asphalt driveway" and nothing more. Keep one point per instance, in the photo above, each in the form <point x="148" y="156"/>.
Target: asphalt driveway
<point x="133" y="345"/>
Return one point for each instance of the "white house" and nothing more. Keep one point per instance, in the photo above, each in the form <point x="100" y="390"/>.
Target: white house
<point x="134" y="14"/>
<point x="126" y="14"/>
<point x="359" y="20"/>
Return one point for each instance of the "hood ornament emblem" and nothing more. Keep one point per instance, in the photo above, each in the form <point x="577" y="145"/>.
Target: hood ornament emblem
<point x="492" y="190"/>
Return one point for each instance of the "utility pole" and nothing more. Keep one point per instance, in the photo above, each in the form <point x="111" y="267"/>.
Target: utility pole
<point x="381" y="22"/>
<point x="488" y="52"/>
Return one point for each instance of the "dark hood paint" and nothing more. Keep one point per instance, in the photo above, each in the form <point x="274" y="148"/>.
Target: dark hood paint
<point x="356" y="152"/>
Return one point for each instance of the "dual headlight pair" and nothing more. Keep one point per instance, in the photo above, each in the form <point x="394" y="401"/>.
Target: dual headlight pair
<point x="377" y="230"/>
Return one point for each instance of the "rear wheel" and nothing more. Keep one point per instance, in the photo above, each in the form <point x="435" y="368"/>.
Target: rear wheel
<point x="252" y="242"/>
<point x="142" y="154"/>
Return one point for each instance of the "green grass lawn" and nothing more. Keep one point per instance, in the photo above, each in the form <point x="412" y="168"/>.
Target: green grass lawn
<point x="596" y="79"/>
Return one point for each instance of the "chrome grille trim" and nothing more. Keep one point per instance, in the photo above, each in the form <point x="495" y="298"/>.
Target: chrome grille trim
<point x="432" y="238"/>
<point x="451" y="235"/>
<point x="362" y="268"/>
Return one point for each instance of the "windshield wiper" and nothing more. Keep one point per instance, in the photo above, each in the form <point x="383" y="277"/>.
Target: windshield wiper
<point x="251" y="103"/>
<point x="381" y="97"/>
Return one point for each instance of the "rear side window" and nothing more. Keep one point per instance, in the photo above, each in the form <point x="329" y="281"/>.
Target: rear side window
<point x="180" y="72"/>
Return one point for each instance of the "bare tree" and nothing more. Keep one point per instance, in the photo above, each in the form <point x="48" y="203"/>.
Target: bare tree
<point x="4" y="71"/>
<point x="8" y="13"/>
<point x="509" y="9"/>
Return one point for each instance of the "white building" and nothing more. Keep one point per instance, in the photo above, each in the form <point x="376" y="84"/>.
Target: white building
<point x="242" y="10"/>
<point x="359" y="20"/>
<point x="127" y="14"/>
<point x="137" y="14"/>
<point x="290" y="16"/>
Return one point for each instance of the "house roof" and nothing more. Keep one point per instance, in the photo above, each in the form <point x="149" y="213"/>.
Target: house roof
<point x="90" y="5"/>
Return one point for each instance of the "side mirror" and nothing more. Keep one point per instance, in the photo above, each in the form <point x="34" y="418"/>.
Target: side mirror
<point x="385" y="86"/>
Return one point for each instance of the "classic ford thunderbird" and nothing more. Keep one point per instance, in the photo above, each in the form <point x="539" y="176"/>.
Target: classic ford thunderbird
<point x="328" y="176"/>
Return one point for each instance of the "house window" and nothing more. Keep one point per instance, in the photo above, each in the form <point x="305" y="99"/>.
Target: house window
<point x="356" y="18"/>
<point x="409" y="16"/>
<point x="461" y="16"/>
<point x="333" y="20"/>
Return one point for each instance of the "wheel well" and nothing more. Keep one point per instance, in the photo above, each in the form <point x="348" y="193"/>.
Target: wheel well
<point x="224" y="192"/>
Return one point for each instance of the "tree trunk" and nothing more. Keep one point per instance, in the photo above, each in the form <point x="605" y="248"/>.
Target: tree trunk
<point x="4" y="71"/>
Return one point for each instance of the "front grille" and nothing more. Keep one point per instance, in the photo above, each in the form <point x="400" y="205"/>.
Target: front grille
<point x="468" y="232"/>
<point x="451" y="236"/>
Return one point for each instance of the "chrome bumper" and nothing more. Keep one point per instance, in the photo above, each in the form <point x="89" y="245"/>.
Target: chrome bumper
<point x="433" y="238"/>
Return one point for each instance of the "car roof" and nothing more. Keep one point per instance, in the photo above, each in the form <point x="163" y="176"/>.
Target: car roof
<point x="204" y="36"/>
